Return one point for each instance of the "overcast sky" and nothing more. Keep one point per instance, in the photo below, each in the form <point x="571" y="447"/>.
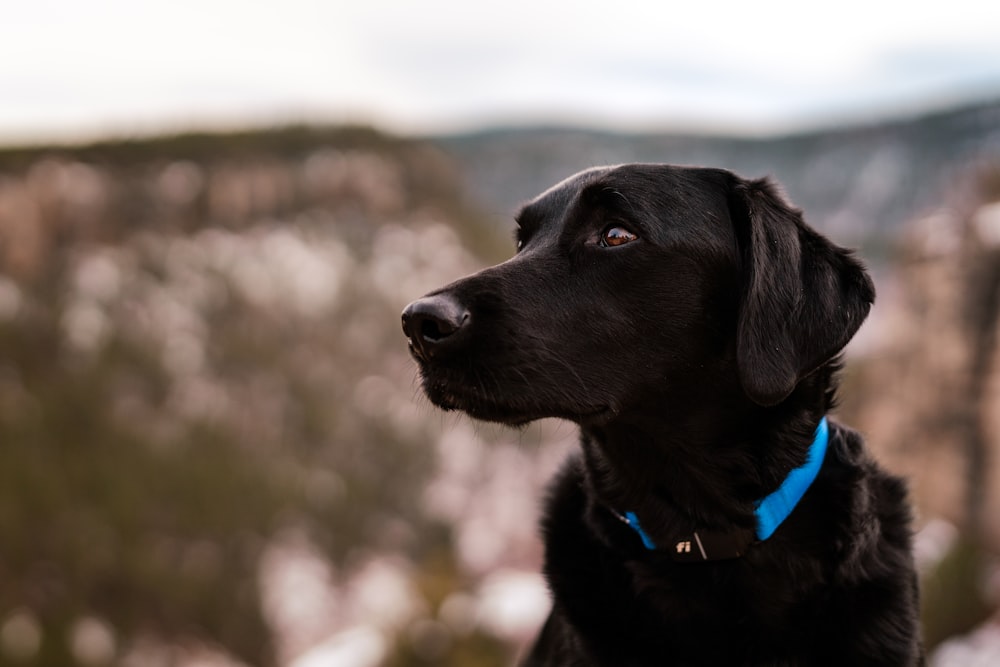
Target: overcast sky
<point x="73" y="68"/>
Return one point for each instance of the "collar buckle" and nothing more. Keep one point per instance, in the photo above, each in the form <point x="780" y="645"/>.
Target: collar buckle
<point x="769" y="512"/>
<point x="711" y="545"/>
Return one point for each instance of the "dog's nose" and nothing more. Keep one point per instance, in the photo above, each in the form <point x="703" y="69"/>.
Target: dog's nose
<point x="432" y="323"/>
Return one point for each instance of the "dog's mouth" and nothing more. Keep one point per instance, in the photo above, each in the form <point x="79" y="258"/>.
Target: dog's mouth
<point x="513" y="408"/>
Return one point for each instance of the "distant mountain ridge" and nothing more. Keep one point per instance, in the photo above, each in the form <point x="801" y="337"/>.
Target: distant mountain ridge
<point x="858" y="183"/>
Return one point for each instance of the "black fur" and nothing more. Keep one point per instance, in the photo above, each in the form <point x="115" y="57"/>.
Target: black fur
<point x="697" y="360"/>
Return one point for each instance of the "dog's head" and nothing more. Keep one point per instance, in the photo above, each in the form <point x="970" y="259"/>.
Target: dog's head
<point x="638" y="284"/>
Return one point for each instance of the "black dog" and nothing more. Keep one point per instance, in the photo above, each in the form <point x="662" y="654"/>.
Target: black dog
<point x="690" y="322"/>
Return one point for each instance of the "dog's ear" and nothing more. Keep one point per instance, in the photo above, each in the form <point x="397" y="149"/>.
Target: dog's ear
<point x="803" y="300"/>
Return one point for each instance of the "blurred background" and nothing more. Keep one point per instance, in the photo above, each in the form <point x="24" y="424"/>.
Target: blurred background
<point x="213" y="447"/>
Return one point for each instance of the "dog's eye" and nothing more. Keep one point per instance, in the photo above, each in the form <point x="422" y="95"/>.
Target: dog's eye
<point x="615" y="236"/>
<point x="520" y="238"/>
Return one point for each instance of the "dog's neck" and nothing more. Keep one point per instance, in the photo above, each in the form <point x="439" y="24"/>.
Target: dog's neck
<point x="672" y="479"/>
<point x="769" y="513"/>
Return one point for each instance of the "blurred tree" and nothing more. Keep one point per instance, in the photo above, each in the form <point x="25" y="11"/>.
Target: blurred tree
<point x="980" y="260"/>
<point x="100" y="520"/>
<point x="927" y="397"/>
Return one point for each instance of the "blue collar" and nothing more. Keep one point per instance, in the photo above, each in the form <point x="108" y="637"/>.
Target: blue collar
<point x="769" y="512"/>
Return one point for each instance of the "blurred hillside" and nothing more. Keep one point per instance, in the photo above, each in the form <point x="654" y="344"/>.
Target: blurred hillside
<point x="211" y="447"/>
<point x="213" y="450"/>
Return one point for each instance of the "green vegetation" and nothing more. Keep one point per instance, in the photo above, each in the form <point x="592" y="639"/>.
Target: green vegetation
<point x="184" y="379"/>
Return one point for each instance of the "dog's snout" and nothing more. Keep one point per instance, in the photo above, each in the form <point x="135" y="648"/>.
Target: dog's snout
<point x="433" y="323"/>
